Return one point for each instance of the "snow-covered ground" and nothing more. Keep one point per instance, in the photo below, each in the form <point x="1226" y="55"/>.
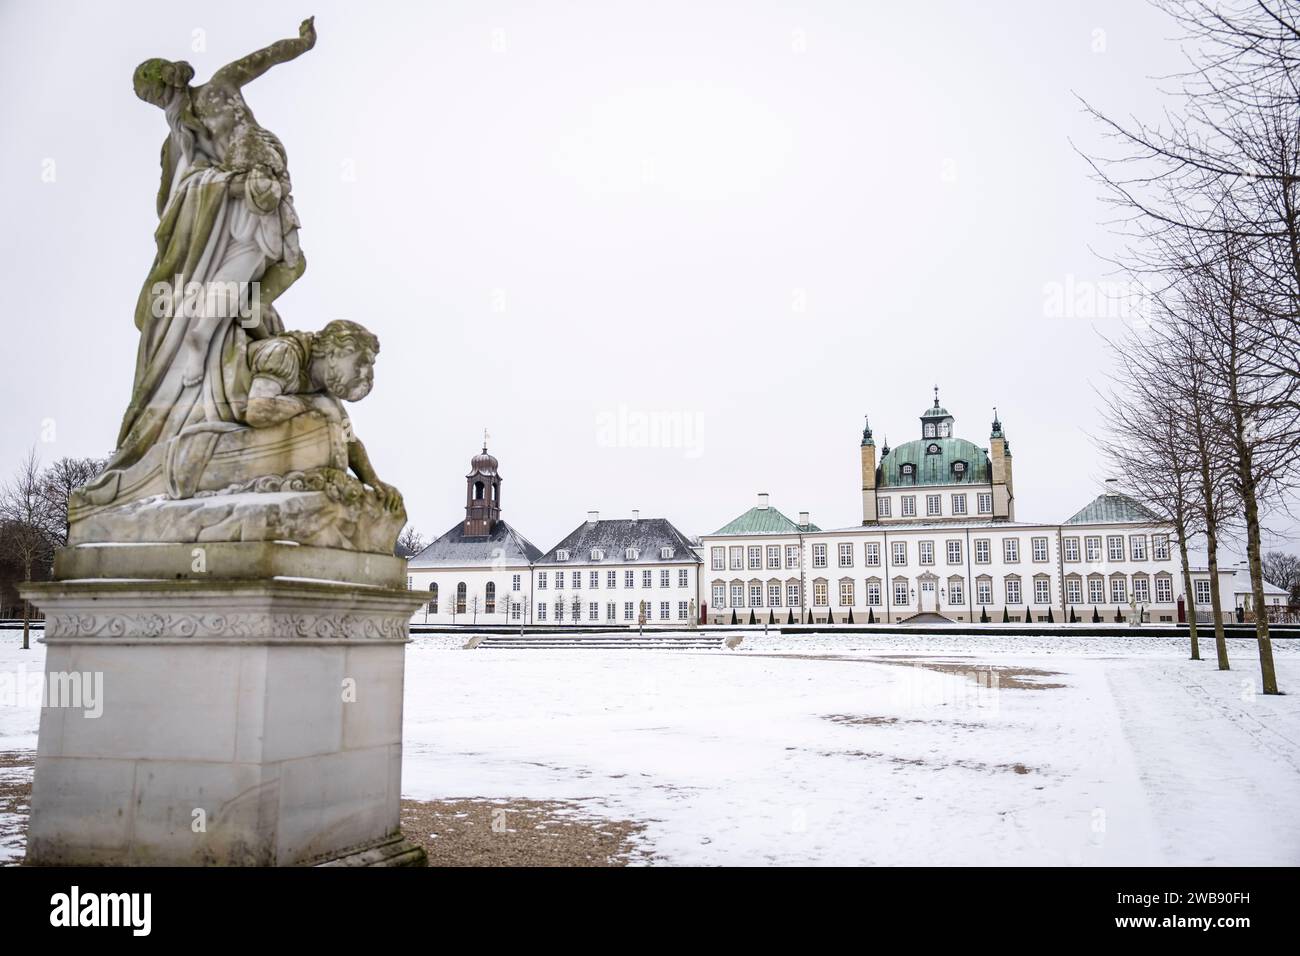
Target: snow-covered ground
<point x="852" y="749"/>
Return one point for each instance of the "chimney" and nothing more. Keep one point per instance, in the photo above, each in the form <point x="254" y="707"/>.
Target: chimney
<point x="636" y="514"/>
<point x="1112" y="486"/>
<point x="803" y="519"/>
<point x="762" y="500"/>
<point x="593" y="517"/>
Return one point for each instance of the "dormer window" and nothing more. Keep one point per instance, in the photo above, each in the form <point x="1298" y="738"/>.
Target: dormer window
<point x="929" y="431"/>
<point x="959" y="469"/>
<point x="666" y="553"/>
<point x="908" y="471"/>
<point x="562" y="555"/>
<point x="597" y="554"/>
<point x="632" y="554"/>
<point x="933" y="449"/>
<point x="945" y="430"/>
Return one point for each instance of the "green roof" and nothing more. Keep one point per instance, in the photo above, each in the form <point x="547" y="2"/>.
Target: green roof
<point x="1110" y="508"/>
<point x="763" y="521"/>
<point x="933" y="467"/>
<point x="936" y="412"/>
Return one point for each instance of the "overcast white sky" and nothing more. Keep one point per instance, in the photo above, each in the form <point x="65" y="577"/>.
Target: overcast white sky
<point x="756" y="222"/>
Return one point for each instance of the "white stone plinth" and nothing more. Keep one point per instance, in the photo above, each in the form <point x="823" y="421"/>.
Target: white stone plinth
<point x="243" y="722"/>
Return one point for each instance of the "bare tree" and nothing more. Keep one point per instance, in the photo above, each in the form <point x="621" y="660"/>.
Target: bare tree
<point x="410" y="542"/>
<point x="30" y="530"/>
<point x="59" y="480"/>
<point x="1283" y="570"/>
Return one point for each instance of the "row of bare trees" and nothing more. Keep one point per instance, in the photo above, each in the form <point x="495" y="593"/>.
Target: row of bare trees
<point x="34" y="518"/>
<point x="1204" y="404"/>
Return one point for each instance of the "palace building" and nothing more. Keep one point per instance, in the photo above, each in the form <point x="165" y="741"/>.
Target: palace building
<point x="939" y="538"/>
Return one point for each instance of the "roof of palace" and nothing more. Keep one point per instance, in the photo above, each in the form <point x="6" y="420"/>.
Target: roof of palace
<point x="504" y="546"/>
<point x="1110" y="508"/>
<point x="933" y="459"/>
<point x="760" y="520"/>
<point x="614" y="536"/>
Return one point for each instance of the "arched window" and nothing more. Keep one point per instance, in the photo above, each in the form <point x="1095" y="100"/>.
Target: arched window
<point x="929" y="431"/>
<point x="490" y="598"/>
<point x="460" y="598"/>
<point x="433" y="598"/>
<point x="478" y="491"/>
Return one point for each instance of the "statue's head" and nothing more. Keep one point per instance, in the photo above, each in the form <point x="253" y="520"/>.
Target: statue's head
<point x="157" y="80"/>
<point x="346" y="354"/>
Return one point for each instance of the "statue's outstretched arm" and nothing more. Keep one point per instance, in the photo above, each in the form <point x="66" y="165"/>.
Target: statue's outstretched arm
<point x="248" y="68"/>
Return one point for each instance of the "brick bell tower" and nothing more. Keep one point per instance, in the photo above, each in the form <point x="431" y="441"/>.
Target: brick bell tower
<point x="482" y="494"/>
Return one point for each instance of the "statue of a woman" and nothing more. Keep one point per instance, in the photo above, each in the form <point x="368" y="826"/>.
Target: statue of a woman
<point x="226" y="222"/>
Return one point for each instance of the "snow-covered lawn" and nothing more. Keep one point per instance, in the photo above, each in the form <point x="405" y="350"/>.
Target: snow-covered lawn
<point x="857" y="749"/>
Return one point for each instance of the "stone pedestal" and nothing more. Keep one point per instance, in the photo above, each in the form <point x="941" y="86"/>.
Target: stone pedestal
<point x="246" y="720"/>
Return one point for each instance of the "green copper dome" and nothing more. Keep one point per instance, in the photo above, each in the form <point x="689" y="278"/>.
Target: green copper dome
<point x="933" y="461"/>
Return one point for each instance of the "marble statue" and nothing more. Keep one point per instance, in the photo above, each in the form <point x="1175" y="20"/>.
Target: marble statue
<point x="234" y="430"/>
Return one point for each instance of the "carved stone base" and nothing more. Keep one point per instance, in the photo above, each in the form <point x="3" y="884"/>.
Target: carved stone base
<point x="241" y="722"/>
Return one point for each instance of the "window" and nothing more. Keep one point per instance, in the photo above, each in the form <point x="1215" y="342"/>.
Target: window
<point x="1160" y="547"/>
<point x="541" y="580"/>
<point x="954" y="552"/>
<point x="593" y="580"/>
<point x="611" y="611"/>
<point x="1141" y="590"/>
<point x="629" y="611"/>
<point x="1071" y="546"/>
<point x="755" y="594"/>
<point x="719" y="595"/>
<point x="846" y="555"/>
<point x="629" y="579"/>
<point x="1011" y="550"/>
<point x="900" y="553"/>
<point x="900" y="593"/>
<point x="959" y="504"/>
<point x="683" y="578"/>
<point x="792" y="555"/>
<point x="792" y="594"/>
<point x="647" y="578"/>
<point x="577" y="580"/>
<point x="933" y="504"/>
<point x="666" y="554"/>
<point x="1038" y="547"/>
<point x="664" y="612"/>
<point x="925" y="552"/>
<point x="433" y="598"/>
<point x="1092" y="549"/>
<point x="819" y="594"/>
<point x="718" y="558"/>
<point x="1115" y="547"/>
<point x="983" y="551"/>
<point x="908" y="473"/>
<point x="665" y="578"/>
<point x="983" y="592"/>
<point x="490" y="598"/>
<point x="1013" y="591"/>
<point x="541" y="611"/>
<point x="985" y="503"/>
<point x="882" y="507"/>
<point x="683" y="610"/>
<point x="774" y="593"/>
<point x="737" y="558"/>
<point x="737" y="594"/>
<point x="1118" y="590"/>
<point x="846" y="594"/>
<point x="1164" y="591"/>
<point x="1137" y="547"/>
<point x="515" y="582"/>
<point x="562" y="555"/>
<point x="819" y="555"/>
<point x="1074" y="591"/>
<point x="1202" y="589"/>
<point x="611" y="579"/>
<point x="1096" y="590"/>
<point x="460" y="598"/>
<point x="632" y="554"/>
<point x="755" y="558"/>
<point x="872" y="554"/>
<point x="955" y="592"/>
<point x="515" y="608"/>
<point x="909" y="506"/>
<point x="873" y="593"/>
<point x="597" y="554"/>
<point x="410" y="582"/>
<point x="929" y="431"/>
<point x="1042" y="591"/>
<point x="593" y="611"/>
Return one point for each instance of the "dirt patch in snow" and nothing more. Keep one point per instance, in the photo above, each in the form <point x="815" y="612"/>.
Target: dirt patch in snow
<point x="480" y="832"/>
<point x="15" y="802"/>
<point x="863" y="720"/>
<point x="1017" y="767"/>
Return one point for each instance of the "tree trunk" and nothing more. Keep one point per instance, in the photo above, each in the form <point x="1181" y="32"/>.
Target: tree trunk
<point x="1212" y="548"/>
<point x="27" y="616"/>
<point x="1266" y="671"/>
<point x="1187" y="588"/>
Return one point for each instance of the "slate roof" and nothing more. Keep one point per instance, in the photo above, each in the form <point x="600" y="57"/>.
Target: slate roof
<point x="1111" y="508"/>
<point x="763" y="521"/>
<point x="455" y="549"/>
<point x="615" y="536"/>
